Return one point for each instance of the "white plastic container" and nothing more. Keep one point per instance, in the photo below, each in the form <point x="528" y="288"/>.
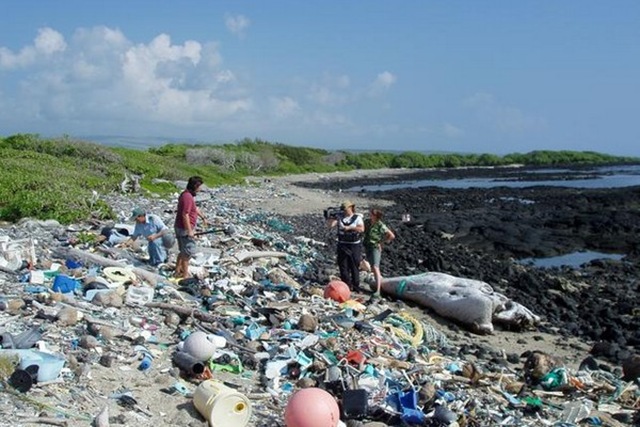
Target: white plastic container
<point x="222" y="406"/>
<point x="139" y="295"/>
<point x="49" y="365"/>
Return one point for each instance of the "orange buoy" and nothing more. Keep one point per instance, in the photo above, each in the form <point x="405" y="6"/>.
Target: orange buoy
<point x="337" y="290"/>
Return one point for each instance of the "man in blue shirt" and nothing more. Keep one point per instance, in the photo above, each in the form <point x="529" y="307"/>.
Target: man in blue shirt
<point x="151" y="227"/>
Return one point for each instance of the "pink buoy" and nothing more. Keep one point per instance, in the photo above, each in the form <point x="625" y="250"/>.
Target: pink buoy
<point x="311" y="407"/>
<point x="337" y="290"/>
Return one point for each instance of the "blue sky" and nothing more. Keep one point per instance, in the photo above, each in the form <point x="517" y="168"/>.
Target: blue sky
<point x="464" y="76"/>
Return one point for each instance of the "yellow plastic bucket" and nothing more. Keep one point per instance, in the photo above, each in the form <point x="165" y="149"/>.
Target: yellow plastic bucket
<point x="222" y="406"/>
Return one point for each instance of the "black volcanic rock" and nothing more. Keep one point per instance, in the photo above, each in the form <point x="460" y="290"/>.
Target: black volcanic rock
<point x="478" y="233"/>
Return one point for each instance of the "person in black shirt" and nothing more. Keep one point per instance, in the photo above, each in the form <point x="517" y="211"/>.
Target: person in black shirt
<point x="350" y="227"/>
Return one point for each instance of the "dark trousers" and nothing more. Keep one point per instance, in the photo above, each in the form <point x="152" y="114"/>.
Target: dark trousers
<point x="349" y="257"/>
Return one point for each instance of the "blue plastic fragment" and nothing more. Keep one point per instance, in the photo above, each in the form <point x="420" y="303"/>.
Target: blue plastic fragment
<point x="407" y="404"/>
<point x="254" y="331"/>
<point x="447" y="396"/>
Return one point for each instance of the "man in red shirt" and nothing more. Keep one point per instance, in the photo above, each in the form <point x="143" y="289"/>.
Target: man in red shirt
<point x="185" y="225"/>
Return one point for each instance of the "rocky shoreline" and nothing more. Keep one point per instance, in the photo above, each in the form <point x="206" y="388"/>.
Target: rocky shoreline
<point x="479" y="233"/>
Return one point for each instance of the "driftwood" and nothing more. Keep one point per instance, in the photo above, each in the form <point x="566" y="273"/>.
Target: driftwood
<point x="89" y="258"/>
<point x="43" y="420"/>
<point x="247" y="255"/>
<point x="184" y="311"/>
<point x="8" y="270"/>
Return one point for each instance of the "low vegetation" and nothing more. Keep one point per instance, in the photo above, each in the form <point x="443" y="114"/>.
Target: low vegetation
<point x="60" y="178"/>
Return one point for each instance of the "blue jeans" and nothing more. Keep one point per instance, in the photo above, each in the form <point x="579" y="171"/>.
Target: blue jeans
<point x="157" y="252"/>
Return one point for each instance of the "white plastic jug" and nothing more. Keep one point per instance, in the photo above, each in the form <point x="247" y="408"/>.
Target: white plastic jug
<point x="222" y="406"/>
<point x="49" y="365"/>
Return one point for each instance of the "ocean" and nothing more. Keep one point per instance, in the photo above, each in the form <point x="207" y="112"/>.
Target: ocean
<point x="598" y="177"/>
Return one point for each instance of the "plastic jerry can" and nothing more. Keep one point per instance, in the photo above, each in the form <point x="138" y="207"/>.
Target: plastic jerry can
<point x="139" y="295"/>
<point x="222" y="406"/>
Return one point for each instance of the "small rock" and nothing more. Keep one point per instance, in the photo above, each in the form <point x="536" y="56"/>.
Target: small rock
<point x="316" y="291"/>
<point x="106" y="333"/>
<point x="56" y="296"/>
<point x="254" y="345"/>
<point x="513" y="387"/>
<point x="172" y="319"/>
<point x="277" y="275"/>
<point x="331" y="343"/>
<point x="426" y="394"/>
<point x="444" y="416"/>
<point x="307" y="323"/>
<point x="631" y="368"/>
<point x="72" y="362"/>
<point x="306" y="383"/>
<point x="399" y="364"/>
<point x="513" y="358"/>
<point x="15" y="305"/>
<point x="89" y="342"/>
<point x="67" y="316"/>
<point x="107" y="360"/>
<point x="108" y="299"/>
<point x="538" y="364"/>
<point x="318" y="366"/>
<point x="471" y="371"/>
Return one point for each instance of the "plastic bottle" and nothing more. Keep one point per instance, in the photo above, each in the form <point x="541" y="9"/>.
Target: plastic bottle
<point x="146" y="362"/>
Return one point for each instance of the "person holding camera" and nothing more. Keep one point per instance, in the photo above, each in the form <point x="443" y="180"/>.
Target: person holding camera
<point x="376" y="232"/>
<point x="349" y="253"/>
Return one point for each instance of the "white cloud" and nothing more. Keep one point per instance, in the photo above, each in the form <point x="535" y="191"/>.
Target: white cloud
<point x="47" y="43"/>
<point x="102" y="76"/>
<point x="98" y="81"/>
<point x="237" y="24"/>
<point x="382" y="83"/>
<point x="502" y="118"/>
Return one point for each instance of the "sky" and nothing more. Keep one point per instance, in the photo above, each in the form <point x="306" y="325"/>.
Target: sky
<point x="498" y="76"/>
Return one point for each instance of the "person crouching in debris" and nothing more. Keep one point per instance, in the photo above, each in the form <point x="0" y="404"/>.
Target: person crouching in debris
<point x="112" y="236"/>
<point x="349" y="253"/>
<point x="153" y="229"/>
<point x="375" y="233"/>
<point x="186" y="219"/>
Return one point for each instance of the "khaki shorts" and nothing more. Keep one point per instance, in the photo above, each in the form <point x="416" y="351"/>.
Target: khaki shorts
<point x="373" y="254"/>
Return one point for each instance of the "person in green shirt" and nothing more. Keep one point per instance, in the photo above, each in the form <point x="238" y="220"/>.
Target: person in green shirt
<point x="375" y="234"/>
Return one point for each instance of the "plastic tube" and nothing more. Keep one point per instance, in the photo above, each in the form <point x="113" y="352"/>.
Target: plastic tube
<point x="188" y="363"/>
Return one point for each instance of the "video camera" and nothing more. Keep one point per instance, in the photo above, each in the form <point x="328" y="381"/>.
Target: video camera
<point x="333" y="213"/>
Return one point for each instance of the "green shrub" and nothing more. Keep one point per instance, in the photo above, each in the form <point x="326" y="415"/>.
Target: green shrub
<point x="55" y="178"/>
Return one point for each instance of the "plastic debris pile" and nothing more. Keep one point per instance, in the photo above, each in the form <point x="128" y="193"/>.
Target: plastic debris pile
<point x="249" y="341"/>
